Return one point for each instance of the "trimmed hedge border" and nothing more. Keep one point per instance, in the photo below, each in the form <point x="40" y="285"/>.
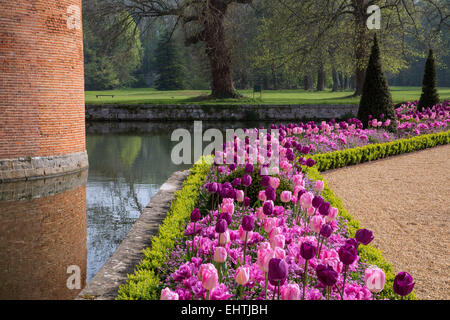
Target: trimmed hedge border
<point x="346" y="157"/>
<point x="145" y="282"/>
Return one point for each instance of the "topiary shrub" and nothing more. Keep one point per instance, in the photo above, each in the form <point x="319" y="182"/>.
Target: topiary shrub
<point x="430" y="96"/>
<point x="376" y="98"/>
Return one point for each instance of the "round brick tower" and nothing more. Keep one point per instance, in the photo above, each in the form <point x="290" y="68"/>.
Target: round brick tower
<point x="42" y="117"/>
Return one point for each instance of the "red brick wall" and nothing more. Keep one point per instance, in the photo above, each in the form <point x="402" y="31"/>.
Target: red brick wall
<point x="39" y="239"/>
<point x="41" y="80"/>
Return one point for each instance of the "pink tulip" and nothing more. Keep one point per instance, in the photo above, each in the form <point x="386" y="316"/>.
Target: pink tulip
<point x="310" y="211"/>
<point x="332" y="214"/>
<point x="278" y="241"/>
<point x="242" y="275"/>
<point x="242" y="234"/>
<point x="260" y="214"/>
<point x="374" y="279"/>
<point x="316" y="223"/>
<point x="274" y="182"/>
<point x="297" y="179"/>
<point x="279" y="253"/>
<point x="306" y="200"/>
<point x="275" y="231"/>
<point x="269" y="224"/>
<point x="240" y="195"/>
<point x="290" y="292"/>
<point x="207" y="274"/>
<point x="220" y="255"/>
<point x="224" y="238"/>
<point x="262" y="195"/>
<point x="286" y="196"/>
<point x="228" y="207"/>
<point x="319" y="185"/>
<point x="264" y="254"/>
<point x="297" y="189"/>
<point x="167" y="294"/>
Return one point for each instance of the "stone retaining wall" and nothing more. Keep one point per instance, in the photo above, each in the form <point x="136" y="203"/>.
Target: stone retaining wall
<point x="144" y="112"/>
<point x="31" y="168"/>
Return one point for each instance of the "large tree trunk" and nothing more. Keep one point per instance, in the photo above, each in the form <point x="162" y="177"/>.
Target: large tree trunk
<point x="361" y="44"/>
<point x="321" y="78"/>
<point x="336" y="83"/>
<point x="217" y="51"/>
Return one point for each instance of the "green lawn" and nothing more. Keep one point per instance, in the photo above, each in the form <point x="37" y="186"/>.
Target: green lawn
<point x="152" y="96"/>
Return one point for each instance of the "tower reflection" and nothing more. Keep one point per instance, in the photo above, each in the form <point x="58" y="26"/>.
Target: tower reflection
<point x="42" y="234"/>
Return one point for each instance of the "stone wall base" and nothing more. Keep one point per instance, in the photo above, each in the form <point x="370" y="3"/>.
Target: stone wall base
<point x="31" y="168"/>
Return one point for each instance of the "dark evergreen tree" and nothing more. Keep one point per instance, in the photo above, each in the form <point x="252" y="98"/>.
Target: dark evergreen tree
<point x="169" y="65"/>
<point x="376" y="98"/>
<point x="429" y="96"/>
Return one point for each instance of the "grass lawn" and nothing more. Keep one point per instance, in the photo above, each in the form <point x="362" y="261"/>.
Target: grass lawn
<point x="152" y="96"/>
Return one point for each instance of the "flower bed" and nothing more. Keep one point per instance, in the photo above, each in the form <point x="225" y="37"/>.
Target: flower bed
<point x="253" y="236"/>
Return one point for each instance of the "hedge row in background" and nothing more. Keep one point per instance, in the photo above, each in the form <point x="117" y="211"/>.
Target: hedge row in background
<point x="346" y="157"/>
<point x="144" y="283"/>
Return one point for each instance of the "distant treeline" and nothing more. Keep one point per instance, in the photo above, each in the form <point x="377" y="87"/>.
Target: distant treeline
<point x="262" y="45"/>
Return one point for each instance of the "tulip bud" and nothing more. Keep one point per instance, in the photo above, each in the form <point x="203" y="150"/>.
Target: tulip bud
<point x="242" y="275"/>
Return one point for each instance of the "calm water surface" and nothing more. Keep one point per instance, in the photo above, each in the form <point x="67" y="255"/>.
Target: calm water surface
<point x="80" y="220"/>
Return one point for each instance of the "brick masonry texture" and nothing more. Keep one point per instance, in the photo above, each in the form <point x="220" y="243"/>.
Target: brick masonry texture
<point x="217" y="112"/>
<point x="41" y="80"/>
<point x="41" y="237"/>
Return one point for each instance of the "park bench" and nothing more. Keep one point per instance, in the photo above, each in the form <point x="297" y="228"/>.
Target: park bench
<point x="104" y="95"/>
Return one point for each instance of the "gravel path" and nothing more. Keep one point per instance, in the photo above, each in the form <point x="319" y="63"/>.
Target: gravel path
<point x="404" y="200"/>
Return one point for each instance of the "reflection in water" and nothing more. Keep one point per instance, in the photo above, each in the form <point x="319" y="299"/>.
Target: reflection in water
<point x="126" y="171"/>
<point x="42" y="233"/>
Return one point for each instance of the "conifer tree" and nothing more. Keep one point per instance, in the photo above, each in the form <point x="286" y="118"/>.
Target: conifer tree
<point x="169" y="65"/>
<point x="376" y="99"/>
<point x="429" y="96"/>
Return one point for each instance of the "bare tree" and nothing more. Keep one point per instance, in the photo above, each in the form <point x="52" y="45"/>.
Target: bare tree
<point x="202" y="22"/>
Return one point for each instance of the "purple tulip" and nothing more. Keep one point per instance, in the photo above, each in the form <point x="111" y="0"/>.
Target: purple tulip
<point x="236" y="182"/>
<point x="270" y="193"/>
<point x="308" y="250"/>
<point x="403" y="283"/>
<point x="232" y="166"/>
<point x="326" y="230"/>
<point x="221" y="226"/>
<point x="324" y="208"/>
<point x="227" y="185"/>
<point x="248" y="223"/>
<point x="352" y="242"/>
<point x="213" y="187"/>
<point x="249" y="168"/>
<point x="268" y="207"/>
<point x="326" y="274"/>
<point x="246" y="180"/>
<point x="347" y="254"/>
<point x="278" y="271"/>
<point x="196" y="215"/>
<point x="265" y="181"/>
<point x="364" y="236"/>
<point x="246" y="202"/>
<point x="317" y="201"/>
<point x="310" y="162"/>
<point x="305" y="150"/>
<point x="225" y="216"/>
